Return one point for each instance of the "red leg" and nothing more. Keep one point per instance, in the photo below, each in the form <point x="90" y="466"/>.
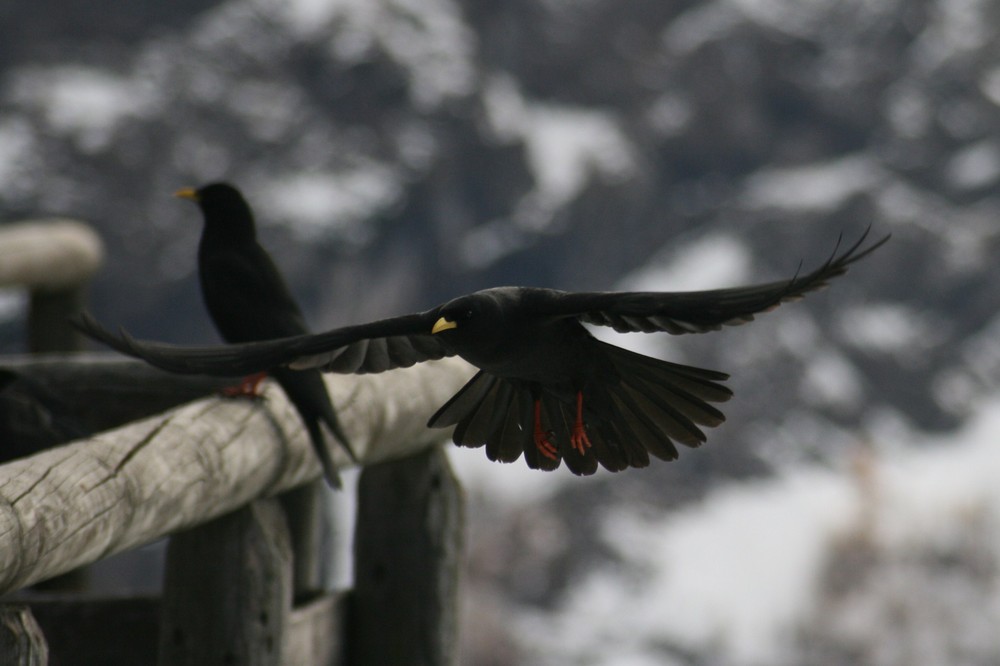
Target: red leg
<point x="542" y="441"/>
<point x="248" y="387"/>
<point x="579" y="440"/>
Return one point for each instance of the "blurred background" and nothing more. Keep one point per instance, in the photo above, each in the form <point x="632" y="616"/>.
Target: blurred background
<point x="400" y="152"/>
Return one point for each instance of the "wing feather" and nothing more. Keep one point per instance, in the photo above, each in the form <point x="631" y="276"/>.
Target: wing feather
<point x="373" y="347"/>
<point x="695" y="311"/>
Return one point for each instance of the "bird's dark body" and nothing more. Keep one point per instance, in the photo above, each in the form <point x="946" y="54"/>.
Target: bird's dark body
<point x="546" y="388"/>
<point x="248" y="301"/>
<point x="529" y="356"/>
<point x="522" y="346"/>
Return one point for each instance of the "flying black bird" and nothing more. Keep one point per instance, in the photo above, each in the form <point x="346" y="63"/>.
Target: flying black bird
<point x="248" y="300"/>
<point x="545" y="387"/>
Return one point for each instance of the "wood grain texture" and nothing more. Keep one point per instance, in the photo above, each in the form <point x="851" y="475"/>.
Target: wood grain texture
<point x="72" y="505"/>
<point x="88" y="393"/>
<point x="315" y="633"/>
<point x="407" y="550"/>
<point x="228" y="590"/>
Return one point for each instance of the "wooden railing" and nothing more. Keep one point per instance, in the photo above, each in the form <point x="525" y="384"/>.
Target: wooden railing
<point x="234" y="484"/>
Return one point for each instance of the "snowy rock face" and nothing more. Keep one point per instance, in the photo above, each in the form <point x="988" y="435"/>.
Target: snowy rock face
<point x="399" y="152"/>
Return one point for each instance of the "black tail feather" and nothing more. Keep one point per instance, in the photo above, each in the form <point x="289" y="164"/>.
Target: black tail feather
<point x="460" y="404"/>
<point x="643" y="407"/>
<point x="319" y="446"/>
<point x="514" y="434"/>
<point x="307" y="392"/>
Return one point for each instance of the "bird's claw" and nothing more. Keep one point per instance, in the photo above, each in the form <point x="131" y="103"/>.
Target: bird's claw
<point x="543" y="441"/>
<point x="579" y="440"/>
<point x="249" y="387"/>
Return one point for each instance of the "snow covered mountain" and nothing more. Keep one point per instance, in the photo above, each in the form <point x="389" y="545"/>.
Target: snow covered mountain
<point x="399" y="152"/>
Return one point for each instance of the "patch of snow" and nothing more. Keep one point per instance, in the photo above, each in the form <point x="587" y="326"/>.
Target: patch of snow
<point x="714" y="261"/>
<point x="566" y="146"/>
<point x="954" y="28"/>
<point x="489" y="242"/>
<point x="317" y="204"/>
<point x="728" y="577"/>
<point x="901" y="203"/>
<point x="890" y="328"/>
<point x="428" y="39"/>
<point x="18" y="156"/>
<point x="735" y="576"/>
<point x="806" y="18"/>
<point x="514" y="485"/>
<point x="703" y="24"/>
<point x="819" y="188"/>
<point x="909" y="111"/>
<point x="670" y="114"/>
<point x="989" y="84"/>
<point x="13" y="303"/>
<point x="310" y="18"/>
<point x="831" y="380"/>
<point x="269" y="109"/>
<point x="981" y="354"/>
<point x="974" y="167"/>
<point x="83" y="103"/>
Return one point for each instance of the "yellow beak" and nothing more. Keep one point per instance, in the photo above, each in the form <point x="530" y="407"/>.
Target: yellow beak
<point x="187" y="193"/>
<point x="443" y="324"/>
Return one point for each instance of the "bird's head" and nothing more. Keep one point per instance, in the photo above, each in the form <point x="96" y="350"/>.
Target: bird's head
<point x="457" y="318"/>
<point x="473" y="325"/>
<point x="221" y="204"/>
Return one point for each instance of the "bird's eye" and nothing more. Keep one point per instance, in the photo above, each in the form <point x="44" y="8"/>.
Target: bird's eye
<point x="459" y="314"/>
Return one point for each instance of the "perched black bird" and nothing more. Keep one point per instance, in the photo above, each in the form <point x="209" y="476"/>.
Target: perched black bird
<point x="248" y="300"/>
<point x="545" y="387"/>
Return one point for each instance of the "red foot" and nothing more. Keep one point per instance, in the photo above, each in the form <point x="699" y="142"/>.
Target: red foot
<point x="578" y="439"/>
<point x="542" y="437"/>
<point x="249" y="387"/>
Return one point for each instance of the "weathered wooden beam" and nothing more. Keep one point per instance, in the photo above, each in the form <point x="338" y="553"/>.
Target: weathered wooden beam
<point x="86" y="629"/>
<point x="50" y="390"/>
<point x="48" y="399"/>
<point x="124" y="631"/>
<point x="54" y="260"/>
<point x="74" y="504"/>
<point x="407" y="554"/>
<point x="308" y="518"/>
<point x="316" y="632"/>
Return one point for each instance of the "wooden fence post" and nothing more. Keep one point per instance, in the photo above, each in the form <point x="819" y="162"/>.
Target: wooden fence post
<point x="74" y="504"/>
<point x="310" y="525"/>
<point x="21" y="640"/>
<point x="307" y="519"/>
<point x="54" y="260"/>
<point x="227" y="590"/>
<point x="49" y="313"/>
<point x="407" y="551"/>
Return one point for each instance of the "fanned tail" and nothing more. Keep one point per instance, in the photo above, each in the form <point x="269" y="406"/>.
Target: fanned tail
<point x="648" y="408"/>
<point x="654" y="406"/>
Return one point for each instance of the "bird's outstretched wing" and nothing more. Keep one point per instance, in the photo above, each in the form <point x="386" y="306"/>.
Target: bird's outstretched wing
<point x="695" y="311"/>
<point x="377" y="346"/>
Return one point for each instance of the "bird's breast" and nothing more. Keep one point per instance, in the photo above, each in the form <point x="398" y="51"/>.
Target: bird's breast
<point x="546" y="354"/>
